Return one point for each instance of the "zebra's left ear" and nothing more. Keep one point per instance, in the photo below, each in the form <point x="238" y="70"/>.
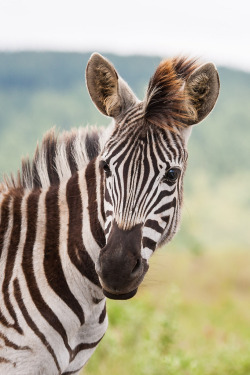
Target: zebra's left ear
<point x="109" y="92"/>
<point x="202" y="88"/>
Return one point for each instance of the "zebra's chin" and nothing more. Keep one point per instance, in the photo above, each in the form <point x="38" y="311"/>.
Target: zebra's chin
<point x="120" y="296"/>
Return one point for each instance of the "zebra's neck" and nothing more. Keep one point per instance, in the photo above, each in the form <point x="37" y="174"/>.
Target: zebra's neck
<point x="62" y="234"/>
<point x="80" y="202"/>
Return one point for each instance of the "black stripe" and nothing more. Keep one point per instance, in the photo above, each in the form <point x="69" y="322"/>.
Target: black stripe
<point x="118" y="146"/>
<point x="169" y="146"/>
<point x="166" y="219"/>
<point x="70" y="155"/>
<point x="146" y="167"/>
<point x="84" y="346"/>
<point x="108" y="228"/>
<point x="153" y="156"/>
<point x="11" y="256"/>
<point x="4" y="360"/>
<point x="30" y="322"/>
<point x="166" y="206"/>
<point x="52" y="261"/>
<point x="160" y="153"/>
<point x="36" y="178"/>
<point x="107" y="197"/>
<point x="102" y="193"/>
<point x="147" y="242"/>
<point x="97" y="300"/>
<point x="154" y="225"/>
<point x="5" y="215"/>
<point x="109" y="213"/>
<point x="27" y="265"/>
<point x="50" y="145"/>
<point x="96" y="229"/>
<point x="163" y="144"/>
<point x="92" y="144"/>
<point x="179" y="145"/>
<point x="12" y="345"/>
<point x="76" y="250"/>
<point x="103" y="315"/>
<point x="154" y="203"/>
<point x="128" y="162"/>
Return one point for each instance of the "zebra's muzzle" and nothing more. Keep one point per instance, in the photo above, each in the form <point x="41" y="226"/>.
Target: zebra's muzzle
<point x="120" y="296"/>
<point x="120" y="266"/>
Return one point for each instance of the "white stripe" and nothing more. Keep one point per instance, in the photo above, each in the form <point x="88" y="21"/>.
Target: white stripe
<point x="60" y="309"/>
<point x="6" y="242"/>
<point x="151" y="233"/>
<point x="61" y="162"/>
<point x="79" y="149"/>
<point x="42" y="168"/>
<point x="146" y="253"/>
<point x="87" y="236"/>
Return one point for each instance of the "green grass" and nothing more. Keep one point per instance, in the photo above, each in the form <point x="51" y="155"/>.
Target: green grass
<point x="191" y="317"/>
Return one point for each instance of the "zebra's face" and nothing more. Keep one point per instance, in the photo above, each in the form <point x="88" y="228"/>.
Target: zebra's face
<point x="142" y="172"/>
<point x="143" y="162"/>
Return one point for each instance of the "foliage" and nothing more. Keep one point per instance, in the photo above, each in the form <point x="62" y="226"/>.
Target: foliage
<point x="190" y="318"/>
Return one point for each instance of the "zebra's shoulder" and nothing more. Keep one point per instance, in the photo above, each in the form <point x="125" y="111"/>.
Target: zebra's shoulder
<point x="58" y="157"/>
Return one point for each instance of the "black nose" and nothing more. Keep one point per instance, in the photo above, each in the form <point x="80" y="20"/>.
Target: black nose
<point x="120" y="263"/>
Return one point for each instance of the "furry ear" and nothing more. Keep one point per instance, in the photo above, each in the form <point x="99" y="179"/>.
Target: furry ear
<point x="202" y="90"/>
<point x="108" y="91"/>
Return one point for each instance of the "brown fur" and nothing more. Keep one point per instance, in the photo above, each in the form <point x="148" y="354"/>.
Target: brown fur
<point x="167" y="103"/>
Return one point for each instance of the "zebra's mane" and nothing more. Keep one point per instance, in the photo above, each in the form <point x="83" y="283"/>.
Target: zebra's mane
<point x="57" y="159"/>
<point x="167" y="103"/>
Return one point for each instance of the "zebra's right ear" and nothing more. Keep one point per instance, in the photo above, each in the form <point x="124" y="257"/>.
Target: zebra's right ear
<point x="109" y="92"/>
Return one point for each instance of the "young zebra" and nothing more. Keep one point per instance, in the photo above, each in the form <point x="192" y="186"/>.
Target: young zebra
<point x="82" y="219"/>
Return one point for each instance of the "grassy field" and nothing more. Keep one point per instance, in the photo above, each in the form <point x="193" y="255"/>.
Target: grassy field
<point x="191" y="317"/>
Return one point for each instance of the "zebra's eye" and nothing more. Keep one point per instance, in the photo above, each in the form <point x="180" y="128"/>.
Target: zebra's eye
<point x="104" y="165"/>
<point x="172" y="174"/>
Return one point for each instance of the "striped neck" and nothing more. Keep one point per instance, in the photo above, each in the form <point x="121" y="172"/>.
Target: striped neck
<point x="64" y="226"/>
<point x="84" y="198"/>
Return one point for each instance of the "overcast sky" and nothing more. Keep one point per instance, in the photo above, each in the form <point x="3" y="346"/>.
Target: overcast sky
<point x="217" y="30"/>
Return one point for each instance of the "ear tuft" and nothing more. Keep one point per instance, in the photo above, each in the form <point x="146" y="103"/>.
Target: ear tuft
<point x="181" y="93"/>
<point x="166" y="103"/>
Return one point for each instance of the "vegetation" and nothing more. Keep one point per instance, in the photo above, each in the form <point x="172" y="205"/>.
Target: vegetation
<point x="191" y="316"/>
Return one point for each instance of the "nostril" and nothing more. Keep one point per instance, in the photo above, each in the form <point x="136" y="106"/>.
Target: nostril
<point x="137" y="266"/>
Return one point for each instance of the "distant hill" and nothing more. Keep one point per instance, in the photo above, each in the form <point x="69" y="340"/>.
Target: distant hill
<point x="40" y="90"/>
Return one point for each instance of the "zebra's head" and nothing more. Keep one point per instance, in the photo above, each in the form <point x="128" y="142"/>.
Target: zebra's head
<point x="143" y="161"/>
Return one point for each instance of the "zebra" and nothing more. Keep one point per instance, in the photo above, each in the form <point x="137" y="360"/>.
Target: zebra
<point x="81" y="219"/>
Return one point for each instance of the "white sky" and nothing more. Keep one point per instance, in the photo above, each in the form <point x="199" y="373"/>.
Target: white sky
<point x="216" y="30"/>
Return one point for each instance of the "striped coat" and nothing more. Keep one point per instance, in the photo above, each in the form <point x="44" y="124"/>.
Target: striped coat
<point x="82" y="219"/>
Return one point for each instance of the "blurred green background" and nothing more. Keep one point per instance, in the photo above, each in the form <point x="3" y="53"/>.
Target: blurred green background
<point x="192" y="313"/>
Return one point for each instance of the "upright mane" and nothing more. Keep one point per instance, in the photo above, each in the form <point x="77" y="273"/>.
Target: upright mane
<point x="57" y="159"/>
<point x="167" y="101"/>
